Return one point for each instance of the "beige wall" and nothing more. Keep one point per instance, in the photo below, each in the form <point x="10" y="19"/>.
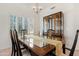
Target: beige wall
<point x="36" y="24"/>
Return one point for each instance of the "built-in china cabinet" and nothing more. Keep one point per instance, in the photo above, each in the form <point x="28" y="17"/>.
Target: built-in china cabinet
<point x="53" y="25"/>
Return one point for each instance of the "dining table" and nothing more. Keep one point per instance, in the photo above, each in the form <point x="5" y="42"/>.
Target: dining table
<point x="39" y="45"/>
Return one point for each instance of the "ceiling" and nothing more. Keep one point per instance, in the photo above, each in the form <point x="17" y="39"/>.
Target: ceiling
<point x="30" y="5"/>
<point x="22" y="8"/>
<point x="26" y="5"/>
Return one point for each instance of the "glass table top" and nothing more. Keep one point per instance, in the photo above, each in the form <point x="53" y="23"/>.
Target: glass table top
<point x="32" y="40"/>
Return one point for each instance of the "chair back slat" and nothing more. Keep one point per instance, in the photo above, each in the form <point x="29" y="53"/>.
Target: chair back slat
<point x="13" y="42"/>
<point x="11" y="35"/>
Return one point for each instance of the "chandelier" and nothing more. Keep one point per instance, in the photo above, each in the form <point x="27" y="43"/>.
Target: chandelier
<point x="37" y="8"/>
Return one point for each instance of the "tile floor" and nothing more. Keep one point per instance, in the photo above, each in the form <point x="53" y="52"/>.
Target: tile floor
<point x="7" y="52"/>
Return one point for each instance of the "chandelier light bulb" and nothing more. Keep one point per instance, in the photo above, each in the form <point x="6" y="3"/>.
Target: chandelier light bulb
<point x="37" y="9"/>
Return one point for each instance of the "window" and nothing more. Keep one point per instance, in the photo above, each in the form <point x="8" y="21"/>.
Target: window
<point x="18" y="23"/>
<point x="12" y="22"/>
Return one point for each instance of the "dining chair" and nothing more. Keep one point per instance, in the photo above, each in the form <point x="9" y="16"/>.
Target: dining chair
<point x="12" y="41"/>
<point x="18" y="45"/>
<point x="72" y="50"/>
<point x="50" y="32"/>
